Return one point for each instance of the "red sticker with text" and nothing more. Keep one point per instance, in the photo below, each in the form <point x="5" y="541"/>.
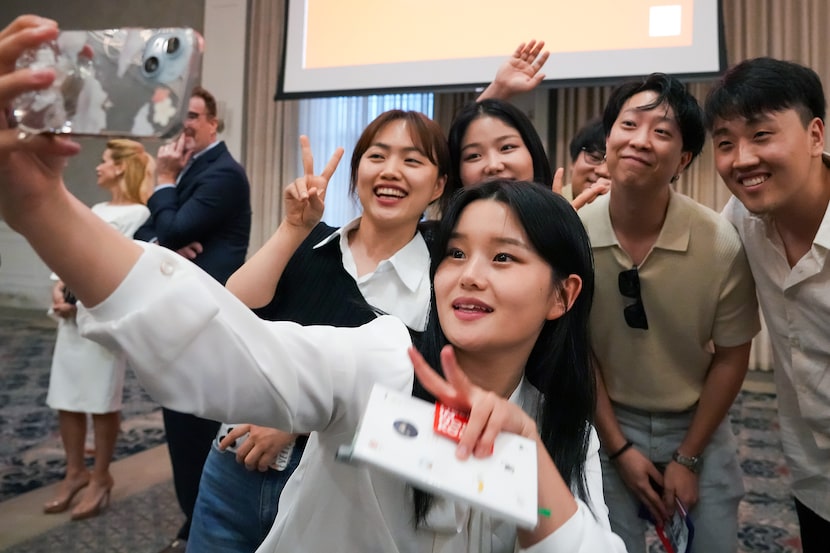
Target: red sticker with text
<point x="449" y="422"/>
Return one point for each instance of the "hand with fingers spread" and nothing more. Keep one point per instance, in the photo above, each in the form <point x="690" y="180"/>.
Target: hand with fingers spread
<point x="305" y="197"/>
<point x="260" y="448"/>
<point x="490" y="414"/>
<point x="30" y="166"/>
<point x="520" y="73"/>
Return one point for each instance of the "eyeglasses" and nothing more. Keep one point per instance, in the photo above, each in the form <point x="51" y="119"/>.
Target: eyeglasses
<point x="635" y="314"/>
<point x="192" y="115"/>
<point x="593" y="157"/>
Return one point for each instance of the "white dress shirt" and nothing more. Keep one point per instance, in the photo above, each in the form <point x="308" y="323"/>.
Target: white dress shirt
<point x="796" y="306"/>
<point x="181" y="330"/>
<point x="399" y="285"/>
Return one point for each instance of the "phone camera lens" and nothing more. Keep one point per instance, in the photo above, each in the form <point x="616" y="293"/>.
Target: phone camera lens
<point x="151" y="64"/>
<point x="172" y="45"/>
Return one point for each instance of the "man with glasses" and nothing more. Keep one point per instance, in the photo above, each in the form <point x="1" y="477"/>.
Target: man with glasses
<point x="673" y="317"/>
<point x="767" y="119"/>
<point x="200" y="207"/>
<point x="588" y="170"/>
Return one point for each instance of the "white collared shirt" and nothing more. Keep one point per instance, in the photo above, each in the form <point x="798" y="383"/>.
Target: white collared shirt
<point x="399" y="285"/>
<point x="796" y="306"/>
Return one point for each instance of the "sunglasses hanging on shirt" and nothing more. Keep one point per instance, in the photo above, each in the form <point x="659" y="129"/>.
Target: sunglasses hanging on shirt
<point x="635" y="313"/>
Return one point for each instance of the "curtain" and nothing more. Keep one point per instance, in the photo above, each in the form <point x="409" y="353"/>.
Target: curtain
<point x="271" y="129"/>
<point x="272" y="151"/>
<point x="448" y="104"/>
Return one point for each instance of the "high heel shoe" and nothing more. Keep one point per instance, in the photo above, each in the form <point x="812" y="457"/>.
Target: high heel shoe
<point x="102" y="503"/>
<point x="62" y="504"/>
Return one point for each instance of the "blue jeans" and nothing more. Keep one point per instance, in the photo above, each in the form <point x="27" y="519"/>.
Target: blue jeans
<point x="236" y="507"/>
<point x="720" y="484"/>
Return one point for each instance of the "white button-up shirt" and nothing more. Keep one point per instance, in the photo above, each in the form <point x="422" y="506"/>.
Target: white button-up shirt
<point x="399" y="285"/>
<point x="796" y="306"/>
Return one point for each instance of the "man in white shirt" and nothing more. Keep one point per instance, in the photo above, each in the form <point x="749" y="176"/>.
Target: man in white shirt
<point x="766" y="117"/>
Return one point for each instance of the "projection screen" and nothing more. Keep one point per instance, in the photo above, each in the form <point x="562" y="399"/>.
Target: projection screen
<point x="342" y="47"/>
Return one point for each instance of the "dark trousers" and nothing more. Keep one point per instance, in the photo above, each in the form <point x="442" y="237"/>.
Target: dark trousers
<point x="189" y="439"/>
<point x="815" y="531"/>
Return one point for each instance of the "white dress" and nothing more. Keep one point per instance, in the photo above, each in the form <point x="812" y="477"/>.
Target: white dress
<point x="86" y="377"/>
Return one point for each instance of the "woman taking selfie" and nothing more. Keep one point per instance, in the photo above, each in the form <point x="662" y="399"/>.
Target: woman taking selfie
<point x="515" y="357"/>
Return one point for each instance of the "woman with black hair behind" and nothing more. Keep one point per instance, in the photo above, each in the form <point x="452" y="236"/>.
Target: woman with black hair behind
<point x="491" y="139"/>
<point x="181" y="330"/>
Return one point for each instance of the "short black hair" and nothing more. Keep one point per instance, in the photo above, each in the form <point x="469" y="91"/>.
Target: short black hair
<point x="669" y="91"/>
<point x="762" y="85"/>
<point x="590" y="137"/>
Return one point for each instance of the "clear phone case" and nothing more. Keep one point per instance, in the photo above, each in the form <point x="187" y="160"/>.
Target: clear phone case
<point x="127" y="82"/>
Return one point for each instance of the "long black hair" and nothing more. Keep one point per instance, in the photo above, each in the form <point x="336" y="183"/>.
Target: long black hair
<point x="511" y="116"/>
<point x="559" y="364"/>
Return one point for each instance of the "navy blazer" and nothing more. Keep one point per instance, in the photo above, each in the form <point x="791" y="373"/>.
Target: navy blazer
<point x="211" y="205"/>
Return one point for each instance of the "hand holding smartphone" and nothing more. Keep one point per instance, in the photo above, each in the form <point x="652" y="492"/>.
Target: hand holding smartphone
<point x="127" y="82"/>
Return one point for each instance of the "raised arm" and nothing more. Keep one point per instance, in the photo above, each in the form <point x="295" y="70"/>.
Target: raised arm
<point x="88" y="254"/>
<point x="254" y="283"/>
<point x="519" y="73"/>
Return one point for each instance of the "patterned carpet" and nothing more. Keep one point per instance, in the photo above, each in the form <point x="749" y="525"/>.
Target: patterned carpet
<point x="767" y="513"/>
<point x="31" y="456"/>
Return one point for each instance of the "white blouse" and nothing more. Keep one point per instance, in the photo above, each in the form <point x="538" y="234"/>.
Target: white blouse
<point x="197" y="349"/>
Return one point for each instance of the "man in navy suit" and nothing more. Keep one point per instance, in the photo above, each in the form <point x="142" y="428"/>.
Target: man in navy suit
<point x="201" y="207"/>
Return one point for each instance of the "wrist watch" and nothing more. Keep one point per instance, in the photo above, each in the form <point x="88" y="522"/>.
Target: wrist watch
<point x="690" y="462"/>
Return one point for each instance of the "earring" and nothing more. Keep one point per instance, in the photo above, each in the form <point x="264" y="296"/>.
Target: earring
<point x="675" y="178"/>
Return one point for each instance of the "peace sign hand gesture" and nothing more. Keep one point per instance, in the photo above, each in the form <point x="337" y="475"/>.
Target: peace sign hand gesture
<point x="490" y="414"/>
<point x="305" y="197"/>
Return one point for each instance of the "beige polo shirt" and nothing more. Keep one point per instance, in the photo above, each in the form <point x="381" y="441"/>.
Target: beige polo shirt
<point x="697" y="290"/>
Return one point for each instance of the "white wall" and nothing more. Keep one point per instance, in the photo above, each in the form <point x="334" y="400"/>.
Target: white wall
<point x="24" y="279"/>
<point x="223" y="66"/>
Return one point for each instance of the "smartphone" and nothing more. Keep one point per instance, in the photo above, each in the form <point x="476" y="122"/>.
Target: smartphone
<point x="130" y="82"/>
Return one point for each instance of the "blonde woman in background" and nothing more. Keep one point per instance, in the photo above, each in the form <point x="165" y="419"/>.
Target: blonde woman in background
<point x="85" y="377"/>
